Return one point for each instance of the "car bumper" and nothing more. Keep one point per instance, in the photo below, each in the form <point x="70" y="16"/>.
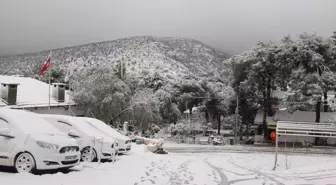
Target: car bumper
<point x="124" y="150"/>
<point x="108" y="153"/>
<point x="56" y="160"/>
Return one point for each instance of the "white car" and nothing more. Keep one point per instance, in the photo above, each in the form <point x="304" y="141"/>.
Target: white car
<point x="30" y="143"/>
<point x="124" y="142"/>
<point x="86" y="136"/>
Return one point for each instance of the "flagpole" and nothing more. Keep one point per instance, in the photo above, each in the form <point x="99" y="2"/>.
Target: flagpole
<point x="67" y="79"/>
<point x="69" y="97"/>
<point x="49" y="79"/>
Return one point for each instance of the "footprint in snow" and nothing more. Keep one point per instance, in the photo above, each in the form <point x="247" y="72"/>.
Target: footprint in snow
<point x="136" y="183"/>
<point x="147" y="174"/>
<point x="153" y="182"/>
<point x="186" y="182"/>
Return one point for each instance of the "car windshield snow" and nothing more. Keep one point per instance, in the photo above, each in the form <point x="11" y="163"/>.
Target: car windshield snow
<point x="31" y="124"/>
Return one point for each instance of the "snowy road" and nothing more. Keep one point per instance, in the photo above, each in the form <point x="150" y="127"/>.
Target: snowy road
<point x="141" y="168"/>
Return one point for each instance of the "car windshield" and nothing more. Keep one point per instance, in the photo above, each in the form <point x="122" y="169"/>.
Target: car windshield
<point x="84" y="127"/>
<point x="32" y="124"/>
<point x="103" y="127"/>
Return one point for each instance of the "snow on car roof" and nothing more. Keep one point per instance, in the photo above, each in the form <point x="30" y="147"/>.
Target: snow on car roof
<point x="103" y="127"/>
<point x="81" y="125"/>
<point x="32" y="93"/>
<point x="28" y="122"/>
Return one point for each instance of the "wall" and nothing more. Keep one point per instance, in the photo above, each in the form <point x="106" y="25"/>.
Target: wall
<point x="57" y="110"/>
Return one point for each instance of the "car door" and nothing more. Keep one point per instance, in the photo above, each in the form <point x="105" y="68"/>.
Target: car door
<point x="5" y="143"/>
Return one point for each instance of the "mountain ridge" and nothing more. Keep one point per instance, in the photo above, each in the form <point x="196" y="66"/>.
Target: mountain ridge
<point x="143" y="55"/>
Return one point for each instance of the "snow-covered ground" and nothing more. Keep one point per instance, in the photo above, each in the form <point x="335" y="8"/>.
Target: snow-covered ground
<point x="144" y="168"/>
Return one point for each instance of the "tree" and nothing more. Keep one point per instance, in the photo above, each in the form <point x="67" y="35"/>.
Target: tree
<point x="248" y="95"/>
<point x="312" y="78"/>
<point x="186" y="93"/>
<point x="217" y="103"/>
<point x="168" y="109"/>
<point x="102" y="94"/>
<point x="120" y="69"/>
<point x="145" y="109"/>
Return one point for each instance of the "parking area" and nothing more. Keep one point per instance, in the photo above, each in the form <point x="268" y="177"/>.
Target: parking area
<point x="218" y="168"/>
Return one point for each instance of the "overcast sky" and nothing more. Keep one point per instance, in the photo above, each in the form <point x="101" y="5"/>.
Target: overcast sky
<point x="233" y="26"/>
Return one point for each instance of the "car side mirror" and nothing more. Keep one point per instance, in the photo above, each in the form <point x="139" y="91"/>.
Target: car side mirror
<point x="73" y="133"/>
<point x="5" y="132"/>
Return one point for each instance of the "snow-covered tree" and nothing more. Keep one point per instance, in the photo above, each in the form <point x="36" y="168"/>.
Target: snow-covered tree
<point x="101" y="94"/>
<point x="145" y="109"/>
<point x="169" y="110"/>
<point x="312" y="76"/>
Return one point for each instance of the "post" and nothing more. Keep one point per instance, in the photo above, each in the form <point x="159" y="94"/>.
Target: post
<point x="91" y="148"/>
<point x="49" y="70"/>
<point x="236" y="122"/>
<point x="101" y="141"/>
<point x="69" y="98"/>
<point x="186" y="109"/>
<point x="114" y="152"/>
<point x="276" y="149"/>
<point x="49" y="88"/>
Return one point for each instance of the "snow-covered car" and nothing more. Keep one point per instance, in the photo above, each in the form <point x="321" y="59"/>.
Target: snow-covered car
<point x="30" y="143"/>
<point x="124" y="142"/>
<point x="86" y="136"/>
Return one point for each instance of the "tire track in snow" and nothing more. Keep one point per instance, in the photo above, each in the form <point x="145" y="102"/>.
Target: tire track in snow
<point x="267" y="176"/>
<point x="224" y="179"/>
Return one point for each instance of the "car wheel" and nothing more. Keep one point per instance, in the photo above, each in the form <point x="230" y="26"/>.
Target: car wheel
<point x="24" y="163"/>
<point x="85" y="155"/>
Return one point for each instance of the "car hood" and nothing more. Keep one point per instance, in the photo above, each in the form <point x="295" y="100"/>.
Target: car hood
<point x="62" y="140"/>
<point x="120" y="137"/>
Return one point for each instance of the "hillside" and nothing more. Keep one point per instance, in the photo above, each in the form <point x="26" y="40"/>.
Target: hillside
<point x="173" y="58"/>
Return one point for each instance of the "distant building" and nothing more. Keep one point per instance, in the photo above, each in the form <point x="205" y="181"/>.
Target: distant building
<point x="18" y="92"/>
<point x="299" y="116"/>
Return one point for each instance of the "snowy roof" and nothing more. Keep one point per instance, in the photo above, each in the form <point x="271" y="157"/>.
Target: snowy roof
<point x="33" y="93"/>
<point x="283" y="94"/>
<point x="300" y="116"/>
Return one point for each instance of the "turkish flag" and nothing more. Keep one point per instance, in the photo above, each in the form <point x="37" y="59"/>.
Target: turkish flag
<point x="45" y="67"/>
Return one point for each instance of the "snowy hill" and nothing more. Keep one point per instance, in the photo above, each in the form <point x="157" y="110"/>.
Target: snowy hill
<point x="173" y="58"/>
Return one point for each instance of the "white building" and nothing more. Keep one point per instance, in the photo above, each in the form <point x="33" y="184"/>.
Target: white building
<point x="19" y="92"/>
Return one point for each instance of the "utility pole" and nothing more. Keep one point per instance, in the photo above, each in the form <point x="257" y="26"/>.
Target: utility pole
<point x="121" y="68"/>
<point x="186" y="109"/>
<point x="236" y="128"/>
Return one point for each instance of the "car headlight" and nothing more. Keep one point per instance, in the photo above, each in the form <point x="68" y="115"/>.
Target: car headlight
<point x="114" y="145"/>
<point x="47" y="145"/>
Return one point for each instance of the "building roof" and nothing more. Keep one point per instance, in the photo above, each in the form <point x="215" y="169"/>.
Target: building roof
<point x="33" y="93"/>
<point x="282" y="94"/>
<point x="300" y="116"/>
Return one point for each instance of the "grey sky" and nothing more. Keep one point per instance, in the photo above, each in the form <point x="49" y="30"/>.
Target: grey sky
<point x="233" y="26"/>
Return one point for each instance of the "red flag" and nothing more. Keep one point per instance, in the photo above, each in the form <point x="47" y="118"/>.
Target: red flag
<point x="45" y="67"/>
